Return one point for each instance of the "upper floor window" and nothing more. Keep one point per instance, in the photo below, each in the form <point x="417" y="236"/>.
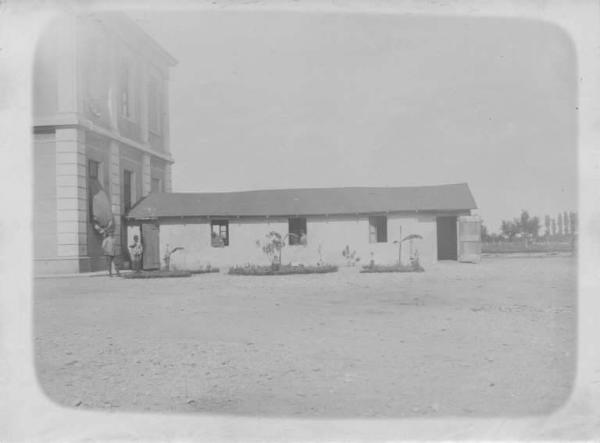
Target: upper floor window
<point x="154" y="106"/>
<point x="378" y="229"/>
<point x="94" y="74"/>
<point x="93" y="169"/>
<point x="126" y="91"/>
<point x="297" y="231"/>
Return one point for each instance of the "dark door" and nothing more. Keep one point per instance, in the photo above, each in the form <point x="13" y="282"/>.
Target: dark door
<point x="446" y="238"/>
<point x="151" y="257"/>
<point x="127" y="183"/>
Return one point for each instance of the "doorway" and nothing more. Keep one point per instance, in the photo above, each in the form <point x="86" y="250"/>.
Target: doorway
<point x="151" y="255"/>
<point x="446" y="238"/>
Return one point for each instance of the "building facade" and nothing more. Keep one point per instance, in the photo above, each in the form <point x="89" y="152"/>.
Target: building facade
<point x="101" y="135"/>
<point x="228" y="229"/>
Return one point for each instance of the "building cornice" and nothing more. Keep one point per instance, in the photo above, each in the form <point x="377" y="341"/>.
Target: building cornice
<point x="73" y="120"/>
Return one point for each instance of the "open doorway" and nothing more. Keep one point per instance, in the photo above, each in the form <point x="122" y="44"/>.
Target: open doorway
<point x="446" y="238"/>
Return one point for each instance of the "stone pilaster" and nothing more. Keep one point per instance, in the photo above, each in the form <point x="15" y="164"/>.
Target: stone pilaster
<point x="166" y="126"/>
<point x="146" y="175"/>
<point x="71" y="195"/>
<point x="143" y="114"/>
<point x="114" y="178"/>
<point x="113" y="91"/>
<point x="168" y="186"/>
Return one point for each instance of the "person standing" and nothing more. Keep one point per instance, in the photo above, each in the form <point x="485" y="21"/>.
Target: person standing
<point x="108" y="245"/>
<point x="135" y="251"/>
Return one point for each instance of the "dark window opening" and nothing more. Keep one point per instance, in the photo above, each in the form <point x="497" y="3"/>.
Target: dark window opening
<point x="219" y="233"/>
<point x="93" y="184"/>
<point x="378" y="229"/>
<point x="127" y="189"/>
<point x="93" y="169"/>
<point x="297" y="231"/>
<point x="154" y="106"/>
<point x="125" y="91"/>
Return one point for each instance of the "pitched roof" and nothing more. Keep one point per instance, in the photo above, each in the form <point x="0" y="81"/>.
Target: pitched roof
<point x="315" y="201"/>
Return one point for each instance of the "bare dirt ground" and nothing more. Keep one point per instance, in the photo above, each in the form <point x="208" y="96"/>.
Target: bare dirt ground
<point x="497" y="338"/>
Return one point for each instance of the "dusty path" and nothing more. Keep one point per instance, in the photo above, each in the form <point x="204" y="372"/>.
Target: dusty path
<point x="477" y="340"/>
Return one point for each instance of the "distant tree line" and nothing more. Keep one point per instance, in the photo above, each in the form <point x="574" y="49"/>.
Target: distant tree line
<point x="561" y="227"/>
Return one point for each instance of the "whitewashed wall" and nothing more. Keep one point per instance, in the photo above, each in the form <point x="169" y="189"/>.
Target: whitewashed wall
<point x="332" y="234"/>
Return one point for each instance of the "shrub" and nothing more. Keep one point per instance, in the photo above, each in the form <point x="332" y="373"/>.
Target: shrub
<point x="410" y="239"/>
<point x="167" y="256"/>
<point x="273" y="247"/>
<point x="414" y="266"/>
<point x="204" y="271"/>
<point x="282" y="270"/>
<point x="350" y="256"/>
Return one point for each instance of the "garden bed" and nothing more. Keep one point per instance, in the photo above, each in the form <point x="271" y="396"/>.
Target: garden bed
<point x="282" y="270"/>
<point x="205" y="271"/>
<point x="391" y="268"/>
<point x="157" y="274"/>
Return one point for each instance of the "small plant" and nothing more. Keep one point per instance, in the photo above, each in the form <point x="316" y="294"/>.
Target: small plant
<point x="409" y="238"/>
<point x="273" y="247"/>
<point x="167" y="256"/>
<point x="350" y="256"/>
<point x="415" y="264"/>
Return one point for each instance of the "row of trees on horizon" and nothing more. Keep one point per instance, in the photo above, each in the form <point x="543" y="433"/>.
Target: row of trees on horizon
<point x="561" y="227"/>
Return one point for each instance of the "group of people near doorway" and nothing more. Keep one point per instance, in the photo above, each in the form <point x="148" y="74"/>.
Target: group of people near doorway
<point x="110" y="251"/>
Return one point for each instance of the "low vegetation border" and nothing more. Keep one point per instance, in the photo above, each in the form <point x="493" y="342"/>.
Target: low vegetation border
<point x="390" y="268"/>
<point x="157" y="274"/>
<point x="282" y="270"/>
<point x="205" y="271"/>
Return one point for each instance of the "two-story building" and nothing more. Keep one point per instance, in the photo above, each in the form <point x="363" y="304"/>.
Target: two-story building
<point x="101" y="135"/>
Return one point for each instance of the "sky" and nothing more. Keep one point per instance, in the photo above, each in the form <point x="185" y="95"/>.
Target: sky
<point x="263" y="100"/>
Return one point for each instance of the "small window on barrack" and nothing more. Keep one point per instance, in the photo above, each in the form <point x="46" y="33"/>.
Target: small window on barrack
<point x="297" y="231"/>
<point x="219" y="233"/>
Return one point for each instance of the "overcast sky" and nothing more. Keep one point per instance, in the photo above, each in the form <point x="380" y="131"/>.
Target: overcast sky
<point x="281" y="99"/>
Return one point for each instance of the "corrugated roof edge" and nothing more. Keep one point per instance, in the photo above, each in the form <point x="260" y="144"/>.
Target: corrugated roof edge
<point x="319" y="189"/>
<point x="158" y="200"/>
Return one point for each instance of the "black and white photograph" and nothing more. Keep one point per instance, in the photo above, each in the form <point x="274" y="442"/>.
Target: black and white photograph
<point x="346" y="221"/>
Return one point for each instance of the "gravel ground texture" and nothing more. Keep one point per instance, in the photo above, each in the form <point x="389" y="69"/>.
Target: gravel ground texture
<point x="491" y="339"/>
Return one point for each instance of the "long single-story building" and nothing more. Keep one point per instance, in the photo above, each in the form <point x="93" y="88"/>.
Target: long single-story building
<point x="226" y="229"/>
